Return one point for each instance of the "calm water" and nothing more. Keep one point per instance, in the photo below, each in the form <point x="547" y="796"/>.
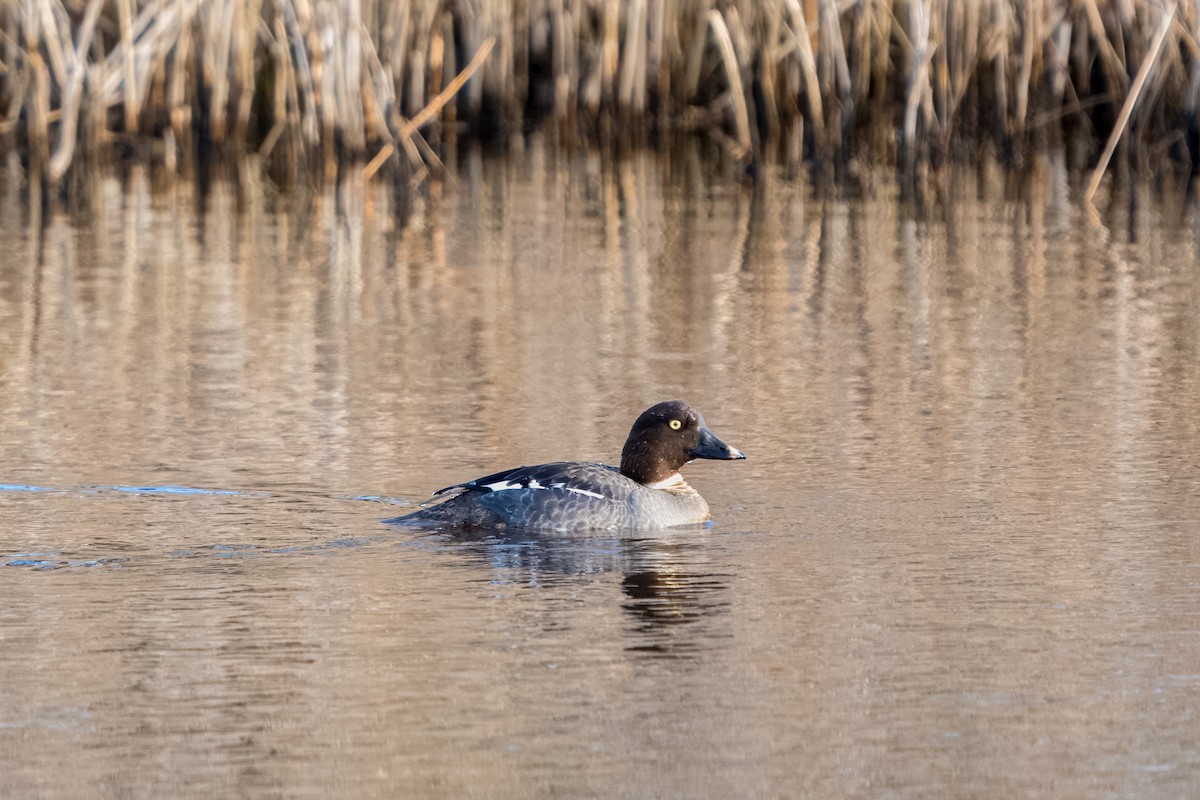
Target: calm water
<point x="963" y="560"/>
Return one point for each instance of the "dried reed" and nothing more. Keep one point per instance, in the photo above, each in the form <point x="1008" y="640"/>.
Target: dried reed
<point x="316" y="83"/>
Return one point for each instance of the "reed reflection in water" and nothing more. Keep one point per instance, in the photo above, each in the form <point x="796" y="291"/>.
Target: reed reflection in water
<point x="962" y="559"/>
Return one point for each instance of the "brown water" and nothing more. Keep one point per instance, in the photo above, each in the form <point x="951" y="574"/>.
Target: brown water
<point x="963" y="559"/>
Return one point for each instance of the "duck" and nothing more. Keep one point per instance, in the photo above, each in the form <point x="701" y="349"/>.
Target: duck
<point x="645" y="492"/>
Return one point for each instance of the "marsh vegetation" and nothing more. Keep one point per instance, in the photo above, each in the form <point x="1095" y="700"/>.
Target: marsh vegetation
<point x="303" y="88"/>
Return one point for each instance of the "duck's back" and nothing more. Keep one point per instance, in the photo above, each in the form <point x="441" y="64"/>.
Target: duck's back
<point x="560" y="496"/>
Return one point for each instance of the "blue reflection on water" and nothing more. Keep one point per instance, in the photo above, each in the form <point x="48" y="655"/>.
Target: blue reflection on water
<point x="44" y="561"/>
<point x="56" y="560"/>
<point x="170" y="489"/>
<point x="175" y="490"/>
<point x="24" y="487"/>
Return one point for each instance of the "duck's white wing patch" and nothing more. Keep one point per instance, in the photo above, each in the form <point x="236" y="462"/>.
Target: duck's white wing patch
<point x="588" y="479"/>
<point x="523" y="483"/>
<point x="577" y="490"/>
<point x="533" y="483"/>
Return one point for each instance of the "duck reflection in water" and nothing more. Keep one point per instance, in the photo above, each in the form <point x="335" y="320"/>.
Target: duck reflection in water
<point x="664" y="592"/>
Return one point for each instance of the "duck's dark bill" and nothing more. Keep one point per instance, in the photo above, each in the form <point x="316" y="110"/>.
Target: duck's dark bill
<point x="710" y="446"/>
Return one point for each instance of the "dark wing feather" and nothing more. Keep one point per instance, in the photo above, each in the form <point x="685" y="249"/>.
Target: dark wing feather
<point x="580" y="476"/>
<point x="479" y="483"/>
<point x="563" y="495"/>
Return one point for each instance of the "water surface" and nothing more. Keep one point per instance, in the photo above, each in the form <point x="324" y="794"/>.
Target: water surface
<point x="962" y="560"/>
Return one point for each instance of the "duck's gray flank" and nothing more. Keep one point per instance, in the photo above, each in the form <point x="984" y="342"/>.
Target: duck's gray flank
<point x="645" y="492"/>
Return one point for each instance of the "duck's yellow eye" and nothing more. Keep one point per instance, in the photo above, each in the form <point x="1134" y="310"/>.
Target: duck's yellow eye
<point x="676" y="424"/>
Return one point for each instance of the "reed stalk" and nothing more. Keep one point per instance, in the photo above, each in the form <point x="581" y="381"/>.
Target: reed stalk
<point x="1135" y="92"/>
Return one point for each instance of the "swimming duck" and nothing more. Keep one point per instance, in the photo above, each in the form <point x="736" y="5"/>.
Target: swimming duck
<point x="646" y="492"/>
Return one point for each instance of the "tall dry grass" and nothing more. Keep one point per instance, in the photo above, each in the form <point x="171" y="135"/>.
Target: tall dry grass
<point x="318" y="84"/>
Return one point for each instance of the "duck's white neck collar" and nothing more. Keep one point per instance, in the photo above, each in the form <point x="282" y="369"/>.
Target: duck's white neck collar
<point x="674" y="479"/>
